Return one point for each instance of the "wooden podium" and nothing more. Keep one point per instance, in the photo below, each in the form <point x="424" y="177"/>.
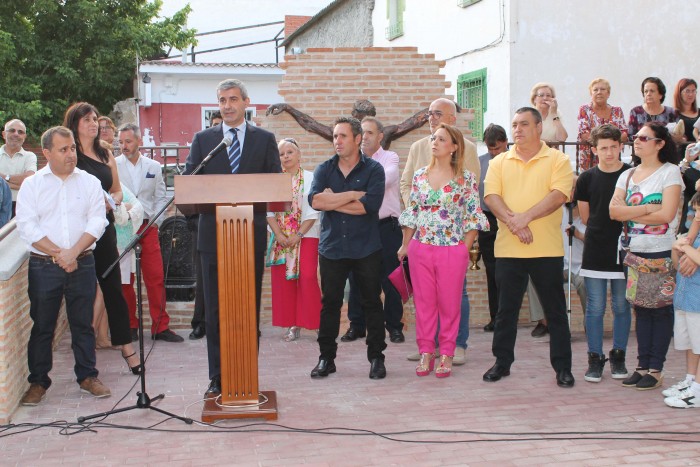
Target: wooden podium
<point x="234" y="198"/>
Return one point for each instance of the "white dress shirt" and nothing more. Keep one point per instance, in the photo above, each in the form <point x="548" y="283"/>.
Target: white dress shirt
<point x="145" y="180"/>
<point x="240" y="134"/>
<point x="61" y="210"/>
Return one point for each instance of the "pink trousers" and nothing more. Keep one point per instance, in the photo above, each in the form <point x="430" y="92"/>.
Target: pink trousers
<point x="437" y="276"/>
<point x="297" y="302"/>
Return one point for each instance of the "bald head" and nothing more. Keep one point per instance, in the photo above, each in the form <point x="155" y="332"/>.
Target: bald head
<point x="15" y="123"/>
<point x="14" y="134"/>
<point x="442" y="111"/>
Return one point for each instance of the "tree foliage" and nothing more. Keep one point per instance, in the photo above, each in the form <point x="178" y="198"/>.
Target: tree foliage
<point x="55" y="52"/>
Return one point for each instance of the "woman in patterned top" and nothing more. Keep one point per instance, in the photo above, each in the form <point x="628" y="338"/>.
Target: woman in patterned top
<point x="653" y="110"/>
<point x="293" y="252"/>
<point x="439" y="227"/>
<point x="592" y="115"/>
<point x="648" y="198"/>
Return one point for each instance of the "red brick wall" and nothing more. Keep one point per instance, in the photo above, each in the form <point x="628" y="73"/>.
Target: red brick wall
<point x="292" y="23"/>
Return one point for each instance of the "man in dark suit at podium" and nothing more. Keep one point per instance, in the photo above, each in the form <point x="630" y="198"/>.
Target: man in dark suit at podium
<point x="253" y="150"/>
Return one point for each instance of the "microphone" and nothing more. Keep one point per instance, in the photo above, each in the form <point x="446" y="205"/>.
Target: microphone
<point x="226" y="142"/>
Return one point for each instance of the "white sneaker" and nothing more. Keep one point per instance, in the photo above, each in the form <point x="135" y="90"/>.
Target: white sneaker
<point x="460" y="358"/>
<point x="676" y="389"/>
<point x="686" y="400"/>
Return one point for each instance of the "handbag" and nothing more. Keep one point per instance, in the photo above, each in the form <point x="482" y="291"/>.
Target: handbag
<point x="400" y="278"/>
<point x="650" y="282"/>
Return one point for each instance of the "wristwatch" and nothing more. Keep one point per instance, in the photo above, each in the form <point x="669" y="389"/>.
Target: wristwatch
<point x="7" y="177"/>
<point x="300" y="234"/>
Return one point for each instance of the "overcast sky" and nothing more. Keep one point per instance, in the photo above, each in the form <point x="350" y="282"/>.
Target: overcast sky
<point x="213" y="15"/>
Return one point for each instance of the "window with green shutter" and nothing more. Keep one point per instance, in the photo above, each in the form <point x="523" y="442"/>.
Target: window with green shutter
<point x="394" y="13"/>
<point x="471" y="94"/>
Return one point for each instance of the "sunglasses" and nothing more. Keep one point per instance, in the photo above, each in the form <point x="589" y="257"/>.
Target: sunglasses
<point x="645" y="139"/>
<point x="291" y="140"/>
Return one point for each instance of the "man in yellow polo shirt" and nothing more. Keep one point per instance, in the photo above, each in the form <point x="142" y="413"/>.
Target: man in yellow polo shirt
<point x="525" y="188"/>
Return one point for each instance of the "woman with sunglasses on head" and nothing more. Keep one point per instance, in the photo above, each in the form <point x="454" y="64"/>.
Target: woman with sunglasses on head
<point x="440" y="224"/>
<point x="647" y="198"/>
<point x="293" y="252"/>
<point x="95" y="159"/>
<point x="652" y="110"/>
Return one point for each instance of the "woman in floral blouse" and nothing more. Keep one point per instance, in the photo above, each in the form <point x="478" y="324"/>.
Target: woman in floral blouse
<point x="439" y="227"/>
<point x="293" y="252"/>
<point x="652" y="110"/>
<point x="592" y="115"/>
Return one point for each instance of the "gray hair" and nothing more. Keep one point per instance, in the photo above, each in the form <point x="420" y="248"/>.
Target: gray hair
<point x="14" y="120"/>
<point x="377" y="123"/>
<point x="232" y="84"/>
<point x="47" y="137"/>
<point x="131" y="127"/>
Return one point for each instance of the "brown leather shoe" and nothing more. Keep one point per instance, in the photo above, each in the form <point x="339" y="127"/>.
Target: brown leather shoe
<point x="94" y="386"/>
<point x="34" y="395"/>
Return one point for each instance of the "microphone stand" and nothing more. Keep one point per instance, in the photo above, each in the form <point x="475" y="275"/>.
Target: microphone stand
<point x="143" y="400"/>
<point x="570" y="230"/>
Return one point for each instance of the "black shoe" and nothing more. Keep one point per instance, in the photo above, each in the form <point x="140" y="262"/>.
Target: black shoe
<point x="596" y="362"/>
<point x="134" y="334"/>
<point x="634" y="378"/>
<point x="353" y="334"/>
<point x="396" y="336"/>
<point x="617" y="364"/>
<point x="198" y="332"/>
<point x="323" y="368"/>
<point x="377" y="370"/>
<point x="540" y="330"/>
<point x="565" y="379"/>
<point x="651" y="380"/>
<point x="214" y="386"/>
<point x="168" y="336"/>
<point x="495" y="373"/>
<point x="489" y="327"/>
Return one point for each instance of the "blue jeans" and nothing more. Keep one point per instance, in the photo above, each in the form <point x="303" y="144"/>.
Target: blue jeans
<point x="597" y="290"/>
<point x="48" y="283"/>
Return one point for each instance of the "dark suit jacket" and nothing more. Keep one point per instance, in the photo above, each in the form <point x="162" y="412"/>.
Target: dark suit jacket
<point x="260" y="155"/>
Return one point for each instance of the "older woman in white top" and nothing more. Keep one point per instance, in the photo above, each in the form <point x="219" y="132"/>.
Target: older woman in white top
<point x="293" y="252"/>
<point x="544" y="98"/>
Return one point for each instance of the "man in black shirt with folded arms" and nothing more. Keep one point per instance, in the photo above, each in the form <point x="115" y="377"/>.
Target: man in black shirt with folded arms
<point x="349" y="188"/>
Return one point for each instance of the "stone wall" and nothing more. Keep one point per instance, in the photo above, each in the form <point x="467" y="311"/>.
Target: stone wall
<point x="346" y="24"/>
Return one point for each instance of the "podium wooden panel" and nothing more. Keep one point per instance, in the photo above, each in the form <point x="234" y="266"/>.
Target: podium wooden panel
<point x="234" y="198"/>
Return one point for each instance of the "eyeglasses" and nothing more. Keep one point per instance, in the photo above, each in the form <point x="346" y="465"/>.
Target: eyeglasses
<point x="645" y="139"/>
<point x="19" y="132"/>
<point x="541" y="94"/>
<point x="690" y="91"/>
<point x="291" y="140"/>
<point x="105" y="128"/>
<point x="435" y="113"/>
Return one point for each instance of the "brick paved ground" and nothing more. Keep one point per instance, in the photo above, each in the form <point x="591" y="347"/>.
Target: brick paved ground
<point x="527" y="401"/>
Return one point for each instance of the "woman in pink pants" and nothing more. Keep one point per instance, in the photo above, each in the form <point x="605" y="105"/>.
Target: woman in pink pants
<point x="439" y="227"/>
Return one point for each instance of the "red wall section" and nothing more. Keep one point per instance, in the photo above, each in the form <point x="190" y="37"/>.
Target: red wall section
<point x="172" y="123"/>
